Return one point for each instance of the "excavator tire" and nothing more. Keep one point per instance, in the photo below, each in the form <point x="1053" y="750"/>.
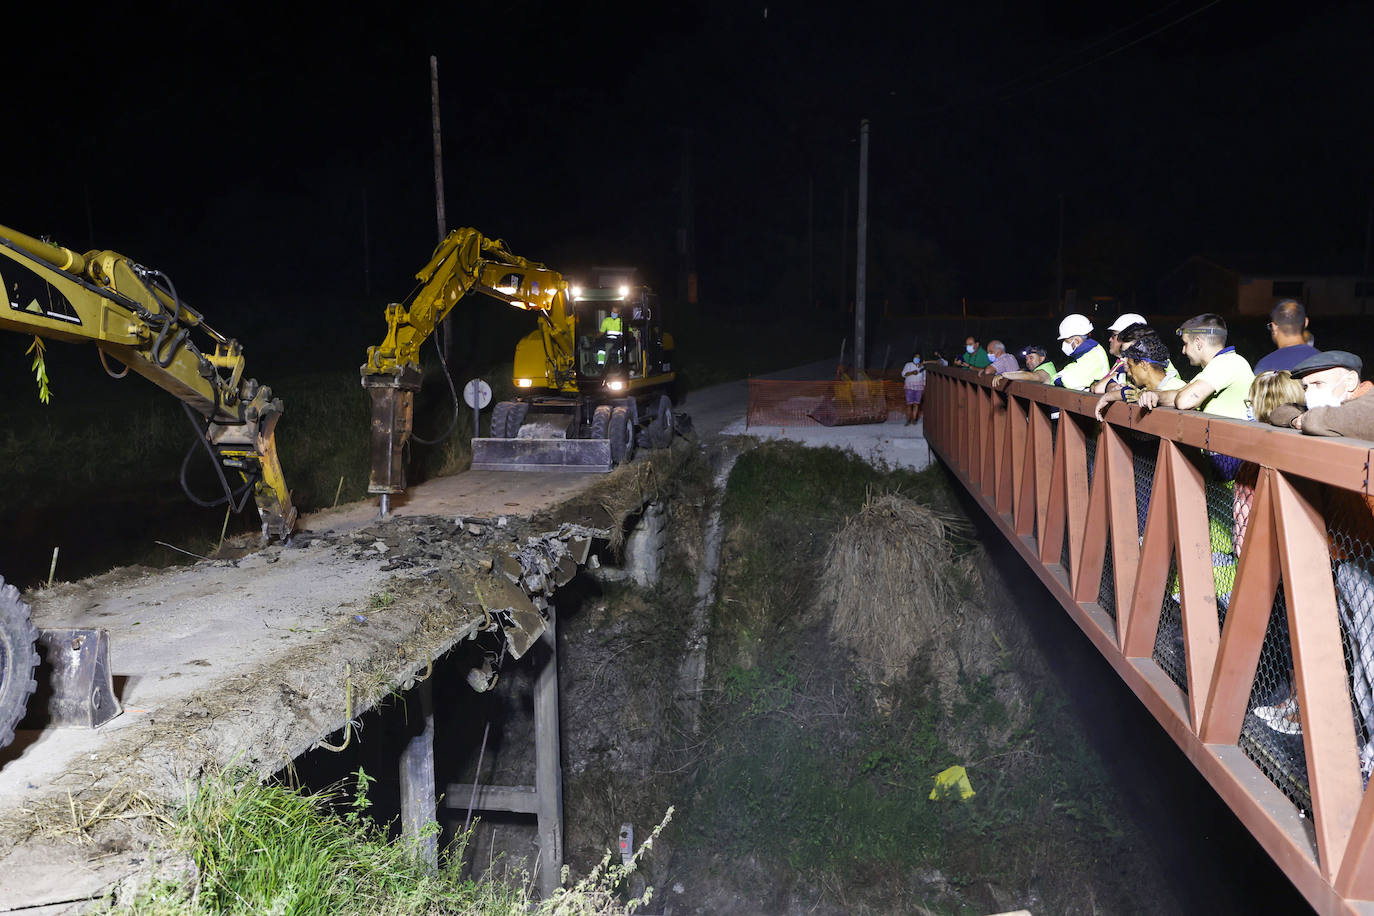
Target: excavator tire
<point x="659" y="433"/>
<point x="601" y="422"/>
<point x="516" y="418"/>
<point x="622" y="436"/>
<point x="18" y="659"/>
<point x="500" y="419"/>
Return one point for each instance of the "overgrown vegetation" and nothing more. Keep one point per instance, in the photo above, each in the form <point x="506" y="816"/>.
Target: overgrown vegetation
<point x="239" y="846"/>
<point x="818" y="760"/>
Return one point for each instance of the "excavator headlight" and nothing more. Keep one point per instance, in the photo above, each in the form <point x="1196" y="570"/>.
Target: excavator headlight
<point x="624" y="291"/>
<point x="524" y="383"/>
<point x="577" y="292"/>
<point x="615" y="385"/>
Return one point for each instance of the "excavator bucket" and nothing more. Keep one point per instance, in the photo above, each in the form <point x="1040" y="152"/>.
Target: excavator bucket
<point x="527" y="454"/>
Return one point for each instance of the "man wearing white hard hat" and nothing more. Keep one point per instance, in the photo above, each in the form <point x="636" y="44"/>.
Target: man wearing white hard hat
<point x="1087" y="360"/>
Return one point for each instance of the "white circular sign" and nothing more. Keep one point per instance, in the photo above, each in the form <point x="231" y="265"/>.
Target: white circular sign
<point x="477" y="393"/>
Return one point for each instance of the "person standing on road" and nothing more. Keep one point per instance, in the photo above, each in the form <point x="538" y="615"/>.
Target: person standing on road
<point x="914" y="385"/>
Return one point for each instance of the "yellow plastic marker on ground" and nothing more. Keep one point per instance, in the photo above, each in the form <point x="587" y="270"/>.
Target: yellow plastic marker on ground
<point x="952" y="783"/>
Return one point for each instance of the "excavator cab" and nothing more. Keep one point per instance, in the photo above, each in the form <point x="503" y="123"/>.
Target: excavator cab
<point x="628" y="355"/>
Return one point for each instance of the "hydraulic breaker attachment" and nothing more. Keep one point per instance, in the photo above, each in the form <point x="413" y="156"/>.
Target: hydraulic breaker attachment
<point x="393" y="410"/>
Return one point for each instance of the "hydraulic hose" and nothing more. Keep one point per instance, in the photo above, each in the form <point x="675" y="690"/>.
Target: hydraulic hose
<point x="229" y="496"/>
<point x="453" y="393"/>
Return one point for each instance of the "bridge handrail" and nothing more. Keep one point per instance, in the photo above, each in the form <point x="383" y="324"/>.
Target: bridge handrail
<point x="1062" y="487"/>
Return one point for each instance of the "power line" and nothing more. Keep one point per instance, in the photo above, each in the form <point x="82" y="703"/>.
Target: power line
<point x="999" y="90"/>
<point x="1101" y="57"/>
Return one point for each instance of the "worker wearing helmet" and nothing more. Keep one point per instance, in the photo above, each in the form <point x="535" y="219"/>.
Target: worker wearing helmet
<point x="1116" y="376"/>
<point x="1087" y="360"/>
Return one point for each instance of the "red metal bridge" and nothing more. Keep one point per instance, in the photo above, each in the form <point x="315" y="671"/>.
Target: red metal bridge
<point x="1226" y="571"/>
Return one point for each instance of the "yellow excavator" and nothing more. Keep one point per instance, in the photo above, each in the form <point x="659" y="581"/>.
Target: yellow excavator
<point x="134" y="316"/>
<point x="589" y="389"/>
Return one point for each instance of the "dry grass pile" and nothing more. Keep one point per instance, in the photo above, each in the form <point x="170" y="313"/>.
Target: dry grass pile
<point x="893" y="581"/>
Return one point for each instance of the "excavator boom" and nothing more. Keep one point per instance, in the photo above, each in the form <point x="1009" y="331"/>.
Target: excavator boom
<point x="465" y="261"/>
<point x="134" y="315"/>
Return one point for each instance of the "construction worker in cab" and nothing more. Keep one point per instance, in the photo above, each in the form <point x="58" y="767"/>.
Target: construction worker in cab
<point x="612" y="328"/>
<point x="1087" y="361"/>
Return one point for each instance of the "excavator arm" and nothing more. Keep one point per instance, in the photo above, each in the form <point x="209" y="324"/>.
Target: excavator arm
<point x="465" y="261"/>
<point x="134" y="315"/>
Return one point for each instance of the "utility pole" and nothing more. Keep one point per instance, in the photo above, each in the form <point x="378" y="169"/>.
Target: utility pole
<point x="447" y="328"/>
<point x="861" y="258"/>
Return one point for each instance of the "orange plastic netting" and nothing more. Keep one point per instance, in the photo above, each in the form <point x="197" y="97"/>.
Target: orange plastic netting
<point x="822" y="403"/>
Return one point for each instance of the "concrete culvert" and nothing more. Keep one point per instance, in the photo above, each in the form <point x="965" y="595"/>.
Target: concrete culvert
<point x="891" y="579"/>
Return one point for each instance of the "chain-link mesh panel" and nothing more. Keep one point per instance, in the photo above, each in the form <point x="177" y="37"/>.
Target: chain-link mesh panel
<point x="1106" y="591"/>
<point x="1350" y="526"/>
<point x="1169" y="639"/>
<point x="1271" y="735"/>
<point x="1144" y="450"/>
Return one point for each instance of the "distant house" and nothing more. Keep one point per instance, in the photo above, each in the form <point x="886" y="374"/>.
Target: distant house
<point x="1201" y="284"/>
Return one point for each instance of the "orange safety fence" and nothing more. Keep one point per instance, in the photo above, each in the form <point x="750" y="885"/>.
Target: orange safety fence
<point x="822" y="403"/>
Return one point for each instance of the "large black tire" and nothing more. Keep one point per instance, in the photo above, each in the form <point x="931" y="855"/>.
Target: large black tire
<point x="659" y="433"/>
<point x="18" y="659"/>
<point x="516" y="419"/>
<point x="622" y="436"/>
<point x="601" y="422"/>
<point x="500" y="419"/>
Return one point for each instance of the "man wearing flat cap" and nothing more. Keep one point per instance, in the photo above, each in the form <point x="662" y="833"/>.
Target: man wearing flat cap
<point x="1336" y="398"/>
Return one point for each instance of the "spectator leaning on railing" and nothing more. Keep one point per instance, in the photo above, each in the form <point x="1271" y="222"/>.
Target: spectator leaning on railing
<point x="1224" y="382"/>
<point x="1038" y="362"/>
<point x="1147" y="361"/>
<point x="973" y="357"/>
<point x="1087" y="360"/>
<point x="1002" y="361"/>
<point x="1338" y="404"/>
<point x="1117" y="374"/>
<point x="1336" y="398"/>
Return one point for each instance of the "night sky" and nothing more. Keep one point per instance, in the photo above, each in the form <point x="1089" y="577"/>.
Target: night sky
<point x="245" y="149"/>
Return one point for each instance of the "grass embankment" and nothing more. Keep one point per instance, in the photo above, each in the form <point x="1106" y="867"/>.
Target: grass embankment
<point x="239" y="846"/>
<point x="817" y="765"/>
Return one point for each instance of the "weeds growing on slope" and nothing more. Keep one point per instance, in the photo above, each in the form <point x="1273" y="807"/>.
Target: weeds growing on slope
<point x="264" y="848"/>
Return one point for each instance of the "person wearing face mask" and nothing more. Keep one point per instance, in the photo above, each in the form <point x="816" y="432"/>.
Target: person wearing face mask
<point x="1338" y="404"/>
<point x="1087" y="361"/>
<point x="1002" y="361"/>
<point x="974" y="356"/>
<point x="1335" y="398"/>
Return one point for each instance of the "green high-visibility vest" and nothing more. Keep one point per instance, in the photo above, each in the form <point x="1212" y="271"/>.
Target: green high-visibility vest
<point x="611" y="324"/>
